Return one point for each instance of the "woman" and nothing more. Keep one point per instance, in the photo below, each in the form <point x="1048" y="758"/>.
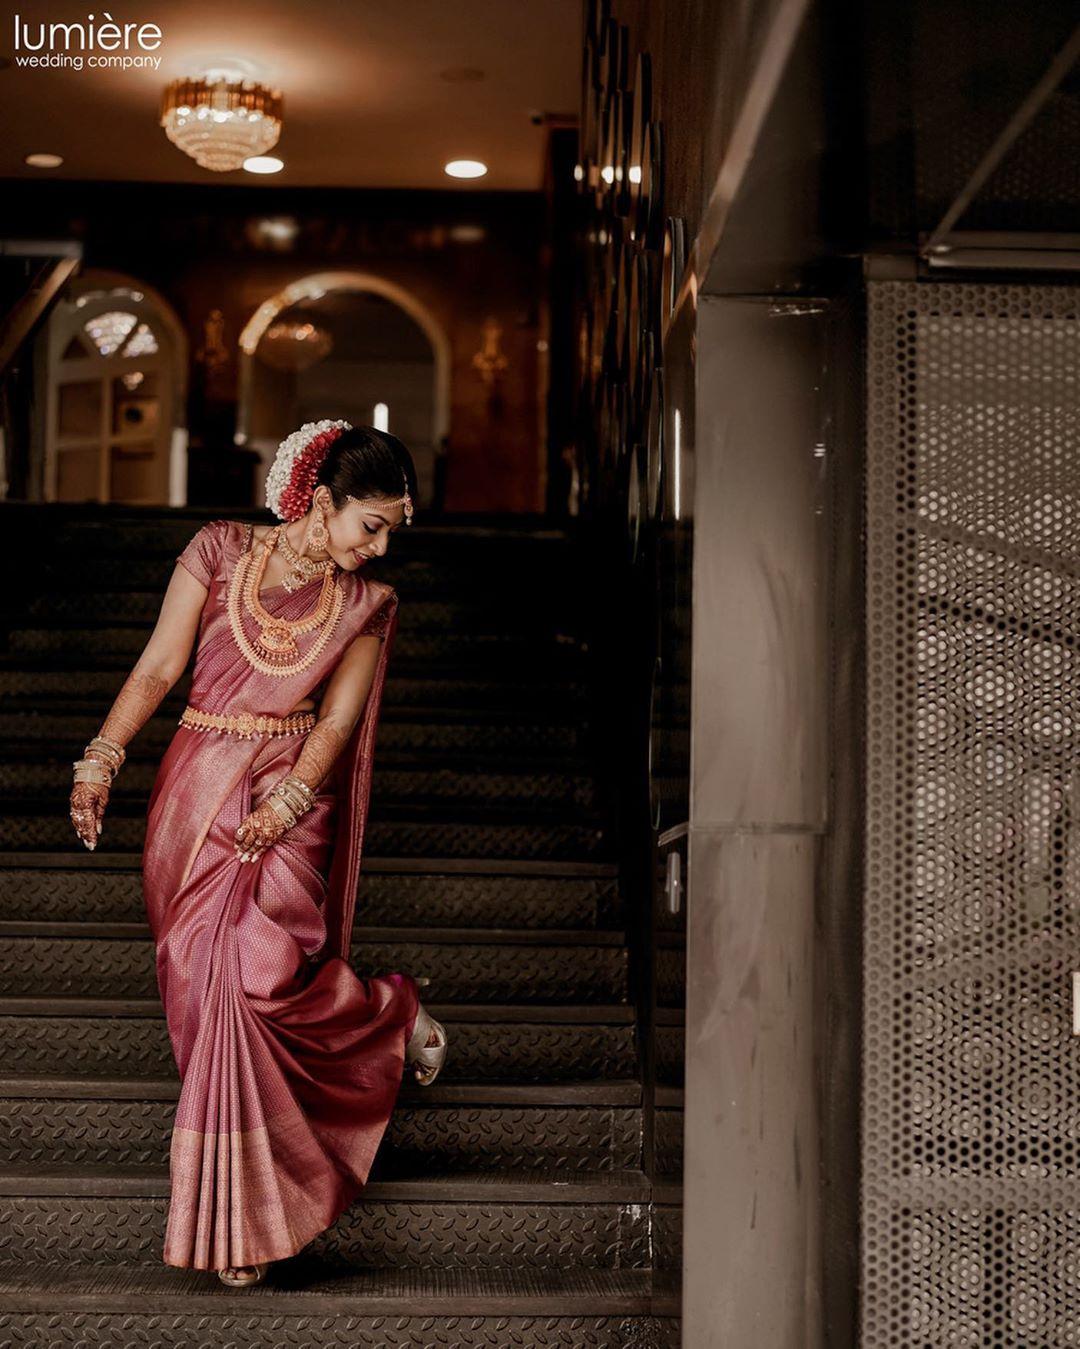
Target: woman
<point x="289" y="1065"/>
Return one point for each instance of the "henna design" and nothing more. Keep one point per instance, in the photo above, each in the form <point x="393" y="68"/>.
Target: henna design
<point x="135" y="704"/>
<point x="88" y="801"/>
<point x="262" y="828"/>
<point x="321" y="748"/>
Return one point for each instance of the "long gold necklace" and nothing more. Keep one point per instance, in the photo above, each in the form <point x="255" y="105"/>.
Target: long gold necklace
<point x="275" y="651"/>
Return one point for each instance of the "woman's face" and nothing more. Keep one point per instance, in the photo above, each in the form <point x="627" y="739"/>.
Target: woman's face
<point x="359" y="531"/>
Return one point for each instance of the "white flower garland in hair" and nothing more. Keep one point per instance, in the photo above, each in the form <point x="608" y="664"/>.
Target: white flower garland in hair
<point x="291" y="463"/>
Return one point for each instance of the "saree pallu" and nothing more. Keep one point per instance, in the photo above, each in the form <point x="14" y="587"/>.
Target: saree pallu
<point x="290" y="1063"/>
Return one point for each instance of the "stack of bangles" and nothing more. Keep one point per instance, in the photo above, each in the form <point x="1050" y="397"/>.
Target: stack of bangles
<point x="101" y="762"/>
<point x="289" y="799"/>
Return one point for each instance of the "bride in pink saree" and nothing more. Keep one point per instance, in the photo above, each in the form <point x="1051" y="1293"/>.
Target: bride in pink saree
<point x="290" y="1063"/>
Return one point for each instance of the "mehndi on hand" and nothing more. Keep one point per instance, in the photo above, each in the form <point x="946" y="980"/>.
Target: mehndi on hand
<point x="286" y="801"/>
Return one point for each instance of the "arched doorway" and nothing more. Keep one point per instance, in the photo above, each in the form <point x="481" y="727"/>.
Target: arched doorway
<point x="350" y="345"/>
<point x="115" y="357"/>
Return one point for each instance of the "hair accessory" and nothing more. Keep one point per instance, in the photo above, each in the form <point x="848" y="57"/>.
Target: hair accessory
<point x="390" y="501"/>
<point x="290" y="484"/>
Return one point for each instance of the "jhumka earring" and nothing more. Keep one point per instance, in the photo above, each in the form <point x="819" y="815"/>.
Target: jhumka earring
<point x="318" y="535"/>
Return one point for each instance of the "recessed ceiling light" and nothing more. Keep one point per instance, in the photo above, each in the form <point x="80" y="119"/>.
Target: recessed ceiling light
<point x="465" y="168"/>
<point x="264" y="164"/>
<point x="43" y="161"/>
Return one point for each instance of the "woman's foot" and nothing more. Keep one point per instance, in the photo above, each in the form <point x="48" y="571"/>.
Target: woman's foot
<point x="242" y="1276"/>
<point x="426" y="1050"/>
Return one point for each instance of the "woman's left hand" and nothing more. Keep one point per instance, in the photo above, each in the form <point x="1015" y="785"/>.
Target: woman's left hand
<point x="262" y="828"/>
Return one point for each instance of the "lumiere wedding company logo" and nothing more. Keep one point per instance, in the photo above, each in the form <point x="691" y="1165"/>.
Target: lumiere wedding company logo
<point x="97" y="42"/>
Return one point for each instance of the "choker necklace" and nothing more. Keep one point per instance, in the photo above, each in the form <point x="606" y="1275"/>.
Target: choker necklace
<point x="302" y="568"/>
<point x="275" y="651"/>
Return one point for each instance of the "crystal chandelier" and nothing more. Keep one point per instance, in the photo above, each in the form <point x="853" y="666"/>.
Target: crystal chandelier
<point x="220" y="120"/>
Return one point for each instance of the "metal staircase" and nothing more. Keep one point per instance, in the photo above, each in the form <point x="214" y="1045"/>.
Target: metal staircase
<point x="509" y="1204"/>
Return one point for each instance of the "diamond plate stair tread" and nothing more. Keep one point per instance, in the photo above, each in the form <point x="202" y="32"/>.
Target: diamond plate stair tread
<point x="498" y="1185"/>
<point x="65" y="686"/>
<point x="364" y="933"/>
<point x="306" y="1285"/>
<point x="462" y="897"/>
<point x="482" y="834"/>
<point x="93" y="1087"/>
<point x="478" y="971"/>
<point x="515" y="1043"/>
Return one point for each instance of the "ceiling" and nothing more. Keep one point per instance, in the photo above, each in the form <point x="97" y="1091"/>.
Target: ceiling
<point x="366" y="102"/>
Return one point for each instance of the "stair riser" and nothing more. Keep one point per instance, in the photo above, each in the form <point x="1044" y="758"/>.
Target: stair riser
<point x="479" y="1051"/>
<point x="386" y="898"/>
<point x="669" y="1142"/>
<point x="19" y="779"/>
<point x="487" y="973"/>
<point x="65" y="736"/>
<point x="448" y="1138"/>
<point x="529" y="691"/>
<point x="417" y="613"/>
<point x="92" y="1329"/>
<point x="532" y="842"/>
<point x="483" y="1235"/>
<point x="467" y="650"/>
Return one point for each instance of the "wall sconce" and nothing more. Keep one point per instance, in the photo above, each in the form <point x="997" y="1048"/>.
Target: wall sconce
<point x="489" y="360"/>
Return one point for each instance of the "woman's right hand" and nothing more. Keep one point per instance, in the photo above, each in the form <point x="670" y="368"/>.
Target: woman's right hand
<point x="88" y="802"/>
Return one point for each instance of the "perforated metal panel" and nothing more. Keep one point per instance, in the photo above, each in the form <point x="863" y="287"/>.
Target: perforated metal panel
<point x="971" y="1097"/>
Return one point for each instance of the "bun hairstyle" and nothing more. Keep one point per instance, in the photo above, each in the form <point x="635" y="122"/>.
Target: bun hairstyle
<point x="364" y="462"/>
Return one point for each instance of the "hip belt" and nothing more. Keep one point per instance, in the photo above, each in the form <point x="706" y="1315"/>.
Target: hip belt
<point x="246" y="725"/>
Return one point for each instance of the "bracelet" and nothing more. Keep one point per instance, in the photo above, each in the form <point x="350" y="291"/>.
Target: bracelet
<point x="109" y="748"/>
<point x="92" y="770"/>
<point x="281" y="810"/>
<point x="296" y="792"/>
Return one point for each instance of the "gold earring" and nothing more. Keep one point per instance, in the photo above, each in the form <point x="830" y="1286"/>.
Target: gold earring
<point x="318" y="535"/>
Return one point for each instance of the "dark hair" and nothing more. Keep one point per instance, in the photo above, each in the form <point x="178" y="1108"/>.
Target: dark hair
<point x="364" y="462"/>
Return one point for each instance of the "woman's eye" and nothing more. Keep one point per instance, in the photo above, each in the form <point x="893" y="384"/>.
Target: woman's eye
<point x="369" y="529"/>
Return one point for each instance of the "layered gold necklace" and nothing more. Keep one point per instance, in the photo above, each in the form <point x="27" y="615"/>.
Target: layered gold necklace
<point x="275" y="651"/>
<point x="302" y="569"/>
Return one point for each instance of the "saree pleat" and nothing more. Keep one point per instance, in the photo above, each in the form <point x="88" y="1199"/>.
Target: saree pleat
<point x="290" y="1062"/>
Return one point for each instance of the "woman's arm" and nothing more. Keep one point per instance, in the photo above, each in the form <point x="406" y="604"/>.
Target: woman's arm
<point x="343" y="702"/>
<point x="160" y="665"/>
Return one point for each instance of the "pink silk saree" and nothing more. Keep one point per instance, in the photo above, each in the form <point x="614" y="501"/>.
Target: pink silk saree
<point x="290" y="1063"/>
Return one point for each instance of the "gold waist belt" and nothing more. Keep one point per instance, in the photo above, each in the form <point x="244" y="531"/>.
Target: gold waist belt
<point x="247" y="724"/>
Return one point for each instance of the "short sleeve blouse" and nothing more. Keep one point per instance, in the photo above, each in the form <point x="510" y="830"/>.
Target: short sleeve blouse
<point x="202" y="555"/>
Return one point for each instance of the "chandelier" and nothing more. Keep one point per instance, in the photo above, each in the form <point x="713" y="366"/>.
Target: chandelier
<point x="221" y="120"/>
<point x="294" y="344"/>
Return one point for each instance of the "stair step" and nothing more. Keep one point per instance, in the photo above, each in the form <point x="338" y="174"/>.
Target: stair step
<point x="306" y="1287"/>
<point x="47" y="1122"/>
<point x="578" y="1095"/>
<point x="472" y="967"/>
<point x="544" y="741"/>
<point x="30" y="686"/>
<point x="47" y="773"/>
<point x="493" y="1043"/>
<point x="479" y="612"/>
<point x="115" y="1216"/>
<point x="455" y="895"/>
<point x="467" y="649"/>
<point x="29" y="826"/>
<point x="498" y="1184"/>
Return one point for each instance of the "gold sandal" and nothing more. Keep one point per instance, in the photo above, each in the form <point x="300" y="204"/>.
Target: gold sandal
<point x="244" y="1282"/>
<point x="426" y="1060"/>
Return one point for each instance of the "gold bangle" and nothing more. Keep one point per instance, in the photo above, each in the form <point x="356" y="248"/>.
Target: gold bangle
<point x="295" y="799"/>
<point x="299" y="785"/>
<point x="92" y="770"/>
<point x="109" y="747"/>
<point x="281" y="810"/>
